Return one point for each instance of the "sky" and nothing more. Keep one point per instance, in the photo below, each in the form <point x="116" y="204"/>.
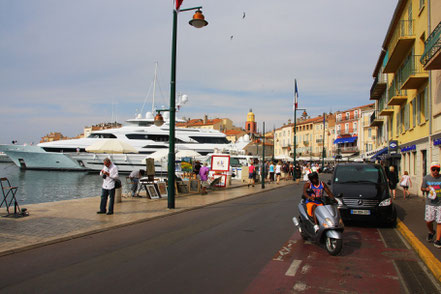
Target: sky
<point x="68" y="64"/>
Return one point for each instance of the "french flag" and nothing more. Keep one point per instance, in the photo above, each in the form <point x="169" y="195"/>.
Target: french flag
<point x="296" y="95"/>
<point x="178" y="4"/>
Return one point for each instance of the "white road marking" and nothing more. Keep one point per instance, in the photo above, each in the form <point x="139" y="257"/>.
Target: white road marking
<point x="291" y="272"/>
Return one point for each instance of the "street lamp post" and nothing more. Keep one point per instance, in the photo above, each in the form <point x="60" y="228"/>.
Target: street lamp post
<point x="198" y="21"/>
<point x="263" y="158"/>
<point x="295" y="142"/>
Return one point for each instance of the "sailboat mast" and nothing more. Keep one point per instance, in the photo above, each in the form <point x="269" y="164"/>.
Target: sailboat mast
<point x="154" y="87"/>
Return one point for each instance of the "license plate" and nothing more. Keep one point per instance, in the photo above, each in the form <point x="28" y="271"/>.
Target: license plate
<point x="362" y="212"/>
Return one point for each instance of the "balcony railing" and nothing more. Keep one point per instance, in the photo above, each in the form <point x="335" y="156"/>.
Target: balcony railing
<point x="348" y="149"/>
<point x="413" y="73"/>
<point x="432" y="47"/>
<point x="402" y="40"/>
<point x="378" y="87"/>
<point x="395" y="94"/>
<point x="344" y="132"/>
<point x="375" y="120"/>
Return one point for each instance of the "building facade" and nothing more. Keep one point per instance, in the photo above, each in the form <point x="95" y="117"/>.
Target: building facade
<point x="402" y="92"/>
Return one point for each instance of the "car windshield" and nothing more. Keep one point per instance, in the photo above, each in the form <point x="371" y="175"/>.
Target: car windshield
<point x="358" y="174"/>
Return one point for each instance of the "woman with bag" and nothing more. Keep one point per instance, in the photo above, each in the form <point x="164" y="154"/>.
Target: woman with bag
<point x="405" y="183"/>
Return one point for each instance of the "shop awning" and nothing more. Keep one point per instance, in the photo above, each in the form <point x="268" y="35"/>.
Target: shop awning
<point x="379" y="153"/>
<point x="345" y="140"/>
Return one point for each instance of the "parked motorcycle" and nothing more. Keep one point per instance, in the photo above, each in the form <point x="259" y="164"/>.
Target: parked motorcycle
<point x="330" y="232"/>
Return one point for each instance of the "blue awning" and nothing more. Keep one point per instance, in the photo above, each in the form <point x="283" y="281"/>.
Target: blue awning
<point x="379" y="153"/>
<point x="345" y="140"/>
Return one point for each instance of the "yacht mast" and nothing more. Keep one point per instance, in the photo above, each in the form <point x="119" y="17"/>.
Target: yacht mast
<point x="154" y="87"/>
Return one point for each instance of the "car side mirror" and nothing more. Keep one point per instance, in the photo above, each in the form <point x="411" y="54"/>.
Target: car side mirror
<point x="340" y="195"/>
<point x="329" y="183"/>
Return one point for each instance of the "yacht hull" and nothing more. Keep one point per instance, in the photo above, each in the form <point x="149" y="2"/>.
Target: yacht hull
<point x="34" y="157"/>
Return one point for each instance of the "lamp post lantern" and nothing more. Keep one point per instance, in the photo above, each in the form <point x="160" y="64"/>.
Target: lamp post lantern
<point x="198" y="21"/>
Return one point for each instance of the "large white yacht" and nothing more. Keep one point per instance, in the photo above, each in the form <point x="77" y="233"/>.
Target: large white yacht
<point x="140" y="133"/>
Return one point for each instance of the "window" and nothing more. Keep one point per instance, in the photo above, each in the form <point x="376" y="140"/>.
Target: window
<point x="414" y="112"/>
<point x="102" y="135"/>
<point x="348" y="115"/>
<point x="406" y="116"/>
<point x="422" y="4"/>
<point x="355" y="113"/>
<point x="339" y="117"/>
<point x="355" y="127"/>
<point x="346" y="128"/>
<point x="369" y="132"/>
<point x="210" y="140"/>
<point x="426" y="105"/>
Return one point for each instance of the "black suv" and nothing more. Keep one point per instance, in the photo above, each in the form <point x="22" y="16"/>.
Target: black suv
<point x="365" y="193"/>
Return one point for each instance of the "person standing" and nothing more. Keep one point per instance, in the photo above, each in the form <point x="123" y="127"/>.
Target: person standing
<point x="278" y="171"/>
<point x="134" y="179"/>
<point x="251" y="171"/>
<point x="432" y="185"/>
<point x="203" y="174"/>
<point x="393" y="180"/>
<point x="405" y="183"/>
<point x="110" y="175"/>
<point x="271" y="172"/>
<point x="197" y="168"/>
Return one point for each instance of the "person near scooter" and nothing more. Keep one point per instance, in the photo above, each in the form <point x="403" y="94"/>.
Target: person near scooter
<point x="313" y="192"/>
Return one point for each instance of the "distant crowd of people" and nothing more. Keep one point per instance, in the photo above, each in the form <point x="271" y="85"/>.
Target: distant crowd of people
<point x="274" y="171"/>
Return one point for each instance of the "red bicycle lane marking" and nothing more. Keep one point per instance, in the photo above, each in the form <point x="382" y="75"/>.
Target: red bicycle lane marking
<point x="364" y="266"/>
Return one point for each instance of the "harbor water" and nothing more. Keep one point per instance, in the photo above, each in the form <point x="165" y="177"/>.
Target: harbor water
<point x="46" y="186"/>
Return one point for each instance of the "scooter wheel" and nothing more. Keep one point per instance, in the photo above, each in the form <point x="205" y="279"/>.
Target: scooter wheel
<point x="333" y="246"/>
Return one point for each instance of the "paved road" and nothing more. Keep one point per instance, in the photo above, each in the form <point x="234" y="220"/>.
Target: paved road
<point x="224" y="248"/>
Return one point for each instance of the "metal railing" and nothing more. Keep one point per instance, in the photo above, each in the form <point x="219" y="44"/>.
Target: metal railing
<point x="404" y="29"/>
<point x="432" y="45"/>
<point x="395" y="88"/>
<point x="380" y="79"/>
<point x="349" y="149"/>
<point x="373" y="116"/>
<point x="411" y="67"/>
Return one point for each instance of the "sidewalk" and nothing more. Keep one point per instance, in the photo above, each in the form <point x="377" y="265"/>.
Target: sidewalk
<point x="63" y="220"/>
<point x="413" y="227"/>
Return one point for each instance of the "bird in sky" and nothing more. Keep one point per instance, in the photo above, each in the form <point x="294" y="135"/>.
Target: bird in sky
<point x="243" y="15"/>
<point x="231" y="37"/>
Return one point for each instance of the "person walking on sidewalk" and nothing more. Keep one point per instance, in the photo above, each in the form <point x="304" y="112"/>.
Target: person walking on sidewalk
<point x="405" y="183"/>
<point x="393" y="180"/>
<point x="432" y="185"/>
<point x="110" y="175"/>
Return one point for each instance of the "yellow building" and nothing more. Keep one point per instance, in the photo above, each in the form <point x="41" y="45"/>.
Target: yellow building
<point x="431" y="61"/>
<point x="283" y="141"/>
<point x="401" y="90"/>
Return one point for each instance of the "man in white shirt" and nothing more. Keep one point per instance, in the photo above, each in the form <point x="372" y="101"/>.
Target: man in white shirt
<point x="109" y="174"/>
<point x="134" y="177"/>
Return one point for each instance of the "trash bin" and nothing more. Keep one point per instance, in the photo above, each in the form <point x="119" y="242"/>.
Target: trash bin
<point x="118" y="197"/>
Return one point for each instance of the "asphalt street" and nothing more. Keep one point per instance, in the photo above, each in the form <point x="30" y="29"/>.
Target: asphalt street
<point x="223" y="248"/>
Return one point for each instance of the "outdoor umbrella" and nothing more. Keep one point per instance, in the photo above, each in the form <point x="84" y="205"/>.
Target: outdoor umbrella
<point x="111" y="146"/>
<point x="159" y="155"/>
<point x="187" y="153"/>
